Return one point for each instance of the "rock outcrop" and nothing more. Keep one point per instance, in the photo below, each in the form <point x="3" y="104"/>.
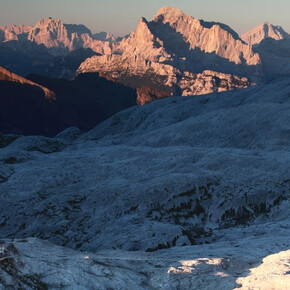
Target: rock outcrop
<point x="261" y="32"/>
<point x="210" y="81"/>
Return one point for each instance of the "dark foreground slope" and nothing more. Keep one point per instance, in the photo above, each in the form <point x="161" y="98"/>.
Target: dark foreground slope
<point x="29" y="108"/>
<point x="196" y="188"/>
<point x="171" y="173"/>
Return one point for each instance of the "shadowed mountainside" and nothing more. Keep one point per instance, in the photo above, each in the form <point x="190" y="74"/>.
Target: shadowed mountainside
<point x="28" y="107"/>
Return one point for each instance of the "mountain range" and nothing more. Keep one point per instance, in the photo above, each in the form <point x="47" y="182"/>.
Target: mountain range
<point x="57" y="37"/>
<point x="26" y="49"/>
<point x="174" y="54"/>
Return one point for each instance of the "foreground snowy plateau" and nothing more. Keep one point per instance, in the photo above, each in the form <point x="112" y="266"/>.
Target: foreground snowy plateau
<point x="182" y="193"/>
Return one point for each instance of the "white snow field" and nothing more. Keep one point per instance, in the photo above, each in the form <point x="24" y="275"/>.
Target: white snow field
<point x="182" y="193"/>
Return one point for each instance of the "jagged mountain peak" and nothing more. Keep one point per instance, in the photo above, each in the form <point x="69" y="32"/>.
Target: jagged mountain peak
<point x="48" y="21"/>
<point x="175" y="17"/>
<point x="143" y="31"/>
<point x="167" y="12"/>
<point x="61" y="38"/>
<point x="264" y="30"/>
<point x="13" y="32"/>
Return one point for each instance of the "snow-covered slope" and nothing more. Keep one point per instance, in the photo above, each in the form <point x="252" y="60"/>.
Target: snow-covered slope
<point x="209" y="172"/>
<point x="261" y="32"/>
<point x="251" y="263"/>
<point x="169" y="173"/>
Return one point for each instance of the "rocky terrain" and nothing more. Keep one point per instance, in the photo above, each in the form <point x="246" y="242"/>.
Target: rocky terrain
<point x="14" y="32"/>
<point x="263" y="31"/>
<point x="202" y="181"/>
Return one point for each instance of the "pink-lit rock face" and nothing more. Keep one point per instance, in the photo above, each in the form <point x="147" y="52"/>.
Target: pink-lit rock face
<point x="177" y="54"/>
<point x="13" y="32"/>
<point x="209" y="37"/>
<point x="261" y="32"/>
<point x="60" y="38"/>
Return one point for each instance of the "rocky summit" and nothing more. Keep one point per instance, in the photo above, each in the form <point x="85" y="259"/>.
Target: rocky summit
<point x="172" y="51"/>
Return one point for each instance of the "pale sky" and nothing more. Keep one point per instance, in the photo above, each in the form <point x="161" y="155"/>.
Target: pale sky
<point x="121" y="16"/>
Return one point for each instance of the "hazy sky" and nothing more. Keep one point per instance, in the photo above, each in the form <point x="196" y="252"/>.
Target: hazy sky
<point x="121" y="16"/>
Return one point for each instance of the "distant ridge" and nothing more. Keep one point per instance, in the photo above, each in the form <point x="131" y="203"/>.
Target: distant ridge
<point x="58" y="37"/>
<point x="264" y="30"/>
